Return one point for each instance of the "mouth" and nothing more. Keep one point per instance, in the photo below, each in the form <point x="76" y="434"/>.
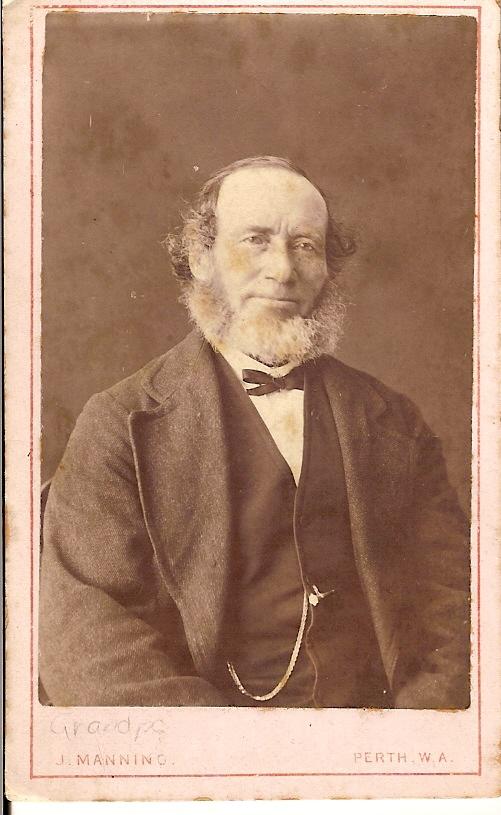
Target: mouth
<point x="283" y="303"/>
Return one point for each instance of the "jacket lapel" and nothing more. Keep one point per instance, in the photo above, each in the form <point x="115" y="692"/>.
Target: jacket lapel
<point x="182" y="468"/>
<point x="376" y="461"/>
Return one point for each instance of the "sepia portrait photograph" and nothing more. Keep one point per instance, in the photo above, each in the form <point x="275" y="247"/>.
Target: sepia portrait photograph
<point x="255" y="395"/>
<point x="248" y="518"/>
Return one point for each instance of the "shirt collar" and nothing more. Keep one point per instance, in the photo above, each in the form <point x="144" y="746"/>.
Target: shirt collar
<point x="239" y="361"/>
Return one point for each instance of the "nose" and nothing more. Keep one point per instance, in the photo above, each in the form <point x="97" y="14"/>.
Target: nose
<point x="279" y="264"/>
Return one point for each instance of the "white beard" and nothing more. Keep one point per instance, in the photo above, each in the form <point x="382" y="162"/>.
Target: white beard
<point x="263" y="335"/>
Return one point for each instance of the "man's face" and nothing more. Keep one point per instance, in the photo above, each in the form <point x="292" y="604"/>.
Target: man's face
<point x="269" y="252"/>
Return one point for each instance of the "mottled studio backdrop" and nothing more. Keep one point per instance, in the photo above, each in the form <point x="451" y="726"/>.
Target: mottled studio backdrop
<point x="379" y="110"/>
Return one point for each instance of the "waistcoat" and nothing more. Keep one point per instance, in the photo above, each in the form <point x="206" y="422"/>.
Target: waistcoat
<point x="286" y="540"/>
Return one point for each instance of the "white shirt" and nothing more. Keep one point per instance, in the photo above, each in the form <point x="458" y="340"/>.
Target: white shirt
<point x="281" y="411"/>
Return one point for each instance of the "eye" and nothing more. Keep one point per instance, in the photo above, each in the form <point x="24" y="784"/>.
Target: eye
<point x="256" y="240"/>
<point x="305" y="245"/>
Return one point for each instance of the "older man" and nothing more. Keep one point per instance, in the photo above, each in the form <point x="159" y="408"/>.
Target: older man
<point x="247" y="520"/>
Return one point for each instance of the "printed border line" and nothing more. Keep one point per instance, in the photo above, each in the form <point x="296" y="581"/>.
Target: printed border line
<point x="31" y="397"/>
<point x="256" y="5"/>
<point x="477" y="186"/>
<point x="250" y="775"/>
<point x="478" y="18"/>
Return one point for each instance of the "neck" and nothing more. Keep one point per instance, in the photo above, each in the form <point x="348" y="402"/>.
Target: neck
<point x="240" y="361"/>
<point x="275" y="364"/>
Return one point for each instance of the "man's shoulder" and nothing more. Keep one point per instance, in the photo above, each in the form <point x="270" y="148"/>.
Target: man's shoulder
<point x="354" y="383"/>
<point x="152" y="384"/>
<point x="360" y="379"/>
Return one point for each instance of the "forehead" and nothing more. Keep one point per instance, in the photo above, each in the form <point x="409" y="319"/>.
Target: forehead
<point x="264" y="196"/>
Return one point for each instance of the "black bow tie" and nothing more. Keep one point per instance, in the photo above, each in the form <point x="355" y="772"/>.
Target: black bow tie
<point x="294" y="380"/>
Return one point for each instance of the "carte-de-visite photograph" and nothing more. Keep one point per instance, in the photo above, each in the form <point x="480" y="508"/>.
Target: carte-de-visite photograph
<point x="257" y="327"/>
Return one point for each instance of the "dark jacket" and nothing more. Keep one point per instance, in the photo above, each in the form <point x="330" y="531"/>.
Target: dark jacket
<point x="136" y="555"/>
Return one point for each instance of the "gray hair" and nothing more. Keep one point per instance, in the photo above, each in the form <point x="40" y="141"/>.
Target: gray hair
<point x="199" y="222"/>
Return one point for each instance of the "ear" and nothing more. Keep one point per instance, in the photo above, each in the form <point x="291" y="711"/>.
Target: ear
<point x="200" y="263"/>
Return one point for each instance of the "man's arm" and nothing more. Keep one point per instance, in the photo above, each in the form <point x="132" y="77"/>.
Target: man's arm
<point x="435" y="631"/>
<point x="109" y="632"/>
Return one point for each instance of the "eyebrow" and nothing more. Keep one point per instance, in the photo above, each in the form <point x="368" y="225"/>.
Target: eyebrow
<point x="264" y="230"/>
<point x="308" y="233"/>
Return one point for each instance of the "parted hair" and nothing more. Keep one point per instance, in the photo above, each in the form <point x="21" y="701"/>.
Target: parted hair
<point x="199" y="222"/>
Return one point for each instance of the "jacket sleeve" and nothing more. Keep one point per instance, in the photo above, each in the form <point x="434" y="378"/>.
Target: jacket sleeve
<point x="435" y="671"/>
<point x="109" y="632"/>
